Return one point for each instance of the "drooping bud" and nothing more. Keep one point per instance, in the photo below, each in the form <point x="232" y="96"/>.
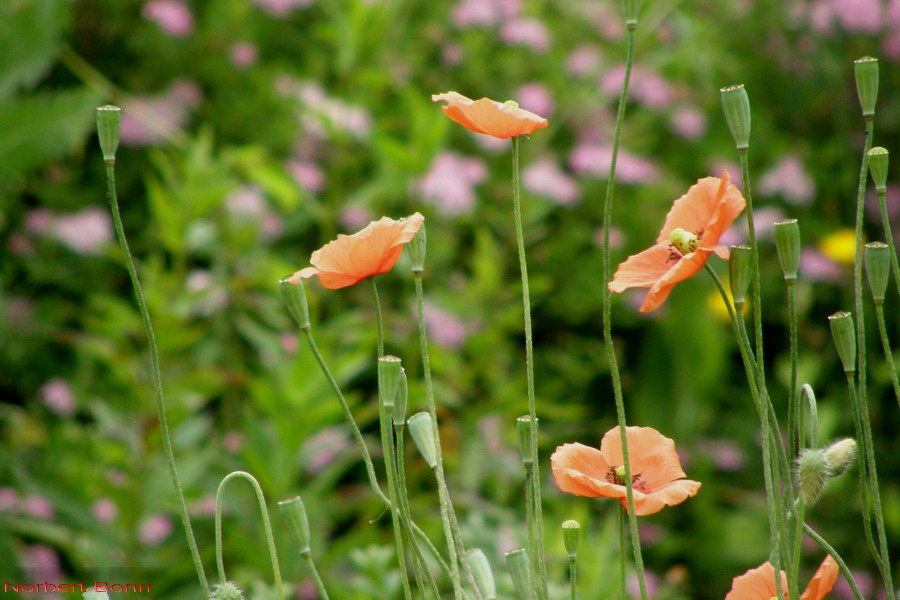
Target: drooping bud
<point x="630" y="10"/>
<point x="787" y="243"/>
<point x="844" y="335"/>
<point x="878" y="166"/>
<point x="839" y="455"/>
<point x="389" y="371"/>
<point x="109" y="122"/>
<point x="517" y="561"/>
<point x="399" y="414"/>
<point x="416" y="247"/>
<point x="523" y="429"/>
<point x="812" y="475"/>
<point x="294" y="514"/>
<point x="294" y="295"/>
<point x="685" y="241"/>
<point x="878" y="269"/>
<point x="93" y="594"/>
<point x="571" y="530"/>
<point x="422" y="432"/>
<point x="736" y="105"/>
<point x="866" y="70"/>
<point x="228" y="591"/>
<point x="481" y="571"/>
<point x="740" y="270"/>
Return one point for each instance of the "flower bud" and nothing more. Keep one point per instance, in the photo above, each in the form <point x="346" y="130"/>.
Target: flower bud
<point x="389" y="371"/>
<point x="517" y="561"/>
<point x="740" y="270"/>
<point x="736" y="104"/>
<point x="416" y="247"/>
<point x="685" y="241"/>
<point x="844" y="339"/>
<point x="839" y="456"/>
<point x="227" y="591"/>
<point x="294" y="514"/>
<point x="93" y="594"/>
<point x="787" y="242"/>
<point x="422" y="432"/>
<point x="812" y="475"/>
<point x="399" y="414"/>
<point x="866" y="70"/>
<point x="878" y="166"/>
<point x="571" y="530"/>
<point x="630" y="10"/>
<point x="523" y="429"/>
<point x="294" y="295"/>
<point x="878" y="269"/>
<point x="481" y="571"/>
<point x="109" y="122"/>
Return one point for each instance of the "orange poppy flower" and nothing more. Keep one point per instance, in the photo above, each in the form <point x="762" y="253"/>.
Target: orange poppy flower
<point x="351" y="258"/>
<point x="655" y="470"/>
<point x="692" y="230"/>
<point x="759" y="583"/>
<point x="501" y="120"/>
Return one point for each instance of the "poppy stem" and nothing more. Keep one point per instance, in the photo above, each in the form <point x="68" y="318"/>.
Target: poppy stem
<point x="845" y="571"/>
<point x="623" y="586"/>
<point x="537" y="551"/>
<point x="607" y="309"/>
<point x="889" y="235"/>
<point x="379" y="322"/>
<point x="794" y="575"/>
<point x="794" y="406"/>
<point x="886" y="344"/>
<point x="155" y="372"/>
<point x="754" y="262"/>
<point x="387" y="441"/>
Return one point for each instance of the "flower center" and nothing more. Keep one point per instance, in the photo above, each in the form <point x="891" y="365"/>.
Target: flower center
<point x="616" y="475"/>
<point x="512" y="103"/>
<point x="685" y="241"/>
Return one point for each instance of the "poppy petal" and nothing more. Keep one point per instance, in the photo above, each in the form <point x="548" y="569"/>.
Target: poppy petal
<point x="687" y="267"/>
<point x="756" y="584"/>
<point x="489" y="117"/>
<point x="695" y="209"/>
<point x="652" y="455"/>
<point x="822" y="581"/>
<point x="671" y="494"/>
<point x="643" y="269"/>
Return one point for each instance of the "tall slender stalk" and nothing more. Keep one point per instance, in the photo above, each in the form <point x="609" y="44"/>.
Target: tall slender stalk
<point x="607" y="310"/>
<point x="530" y="523"/>
<point x="888" y="354"/>
<point x="387" y="442"/>
<point x="154" y="372"/>
<point x="793" y="395"/>
<point x="845" y="570"/>
<point x="889" y="235"/>
<point x="754" y="262"/>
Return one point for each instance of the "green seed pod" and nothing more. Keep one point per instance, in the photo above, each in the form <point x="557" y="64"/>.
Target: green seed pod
<point x="571" y="530"/>
<point x="93" y="594"/>
<point x="422" y="432"/>
<point x="399" y="414"/>
<point x="878" y="166"/>
<point x="812" y="475"/>
<point x="109" y="122"/>
<point x="227" y="591"/>
<point x="844" y="335"/>
<point x="294" y="295"/>
<point x="389" y="372"/>
<point x="517" y="561"/>
<point x="736" y="104"/>
<point x="416" y="247"/>
<point x="787" y="242"/>
<point x="294" y="514"/>
<point x="481" y="571"/>
<point x="739" y="270"/>
<point x="878" y="269"/>
<point x="839" y="455"/>
<point x="630" y="10"/>
<point x="523" y="429"/>
<point x="866" y="70"/>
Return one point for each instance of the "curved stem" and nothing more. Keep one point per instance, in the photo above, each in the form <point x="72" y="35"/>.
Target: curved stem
<point x="848" y="575"/>
<point x="317" y="580"/>
<point x="888" y="354"/>
<point x="267" y="526"/>
<point x="889" y="236"/>
<point x="754" y="261"/>
<point x="793" y="396"/>
<point x="379" y="322"/>
<point x="155" y="373"/>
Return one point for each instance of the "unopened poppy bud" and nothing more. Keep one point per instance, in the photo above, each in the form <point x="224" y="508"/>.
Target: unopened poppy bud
<point x="523" y="429"/>
<point x="227" y="591"/>
<point x="416" y="247"/>
<point x="630" y="10"/>
<point x="294" y="514"/>
<point x="787" y="242"/>
<point x="93" y="594"/>
<point x="812" y="475"/>
<point x="399" y="414"/>
<point x="109" y="122"/>
<point x="878" y="269"/>
<point x="517" y="561"/>
<point x="422" y="432"/>
<point x="844" y="335"/>
<point x="736" y="105"/>
<point x="481" y="572"/>
<point x="294" y="295"/>
<point x="839" y="455"/>
<point x="571" y="530"/>
<point x="866" y="70"/>
<point x="685" y="241"/>
<point x="878" y="166"/>
<point x="739" y="270"/>
<point x="389" y="371"/>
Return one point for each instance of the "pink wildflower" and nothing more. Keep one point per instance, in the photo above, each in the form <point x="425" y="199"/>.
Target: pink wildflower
<point x="616" y="238"/>
<point x="9" y="499"/>
<point x="355" y="217"/>
<point x="485" y="13"/>
<point x="594" y="159"/>
<point x="583" y="60"/>
<point x="308" y="175"/>
<point x="233" y="441"/>
<point x="85" y="232"/>
<point x="526" y="32"/>
<point x="243" y="54"/>
<point x="545" y="178"/>
<point x="151" y="120"/>
<point x="444" y="327"/>
<point x="38" y="507"/>
<point x="449" y="182"/>
<point x="281" y="8"/>
<point x="172" y="16"/>
<point x="154" y="530"/>
<point x="57" y="396"/>
<point x="646" y="86"/>
<point x="789" y="180"/>
<point x="689" y="123"/>
<point x="535" y="98"/>
<point x="104" y="510"/>
<point x="815" y="266"/>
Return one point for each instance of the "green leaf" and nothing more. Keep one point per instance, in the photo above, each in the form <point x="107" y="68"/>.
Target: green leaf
<point x="30" y="33"/>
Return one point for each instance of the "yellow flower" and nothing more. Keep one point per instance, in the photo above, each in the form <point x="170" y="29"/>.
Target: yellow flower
<point x="717" y="305"/>
<point x="840" y="246"/>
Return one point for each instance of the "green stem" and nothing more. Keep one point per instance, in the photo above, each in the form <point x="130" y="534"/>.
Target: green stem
<point x="379" y="322"/>
<point x="443" y="491"/>
<point x="317" y="580"/>
<point x="888" y="354"/>
<point x="623" y="586"/>
<point x="537" y="551"/>
<point x="387" y="443"/>
<point x="848" y="575"/>
<point x="156" y="375"/>
<point x="267" y="526"/>
<point x="793" y="396"/>
<point x="531" y="522"/>
<point x="607" y="310"/>
<point x="754" y="261"/>
<point x="418" y="561"/>
<point x="572" y="578"/>
<point x="749" y="366"/>
<point x="889" y="236"/>
<point x="794" y="575"/>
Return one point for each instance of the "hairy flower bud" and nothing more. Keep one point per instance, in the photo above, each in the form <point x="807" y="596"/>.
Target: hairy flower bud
<point x="227" y="591"/>
<point x="839" y="455"/>
<point x="813" y="473"/>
